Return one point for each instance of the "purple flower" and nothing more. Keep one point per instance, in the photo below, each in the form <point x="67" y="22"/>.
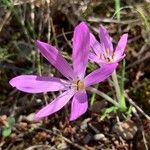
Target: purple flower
<point x="103" y="52"/>
<point x="75" y="86"/>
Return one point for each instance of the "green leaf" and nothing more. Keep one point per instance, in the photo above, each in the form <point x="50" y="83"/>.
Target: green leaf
<point x="129" y="112"/>
<point x="108" y="111"/>
<point x="11" y="121"/>
<point x="6" y="131"/>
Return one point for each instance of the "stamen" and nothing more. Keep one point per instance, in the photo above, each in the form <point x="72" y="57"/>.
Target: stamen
<point x="101" y="56"/>
<point x="113" y="54"/>
<point x="107" y="50"/>
<point x="80" y="85"/>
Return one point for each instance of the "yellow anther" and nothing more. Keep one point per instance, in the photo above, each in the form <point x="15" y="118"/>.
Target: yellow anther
<point x="113" y="55"/>
<point x="80" y="85"/>
<point x="101" y="56"/>
<point x="107" y="50"/>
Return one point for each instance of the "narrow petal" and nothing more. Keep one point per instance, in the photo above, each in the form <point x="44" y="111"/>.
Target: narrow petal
<point x="100" y="74"/>
<point x="81" y="45"/>
<point x="117" y="59"/>
<point x="37" y="84"/>
<point x="106" y="39"/>
<point x="121" y="46"/>
<point x="94" y="58"/>
<point x="55" y="105"/>
<point x="94" y="44"/>
<point x="79" y="105"/>
<point x="56" y="59"/>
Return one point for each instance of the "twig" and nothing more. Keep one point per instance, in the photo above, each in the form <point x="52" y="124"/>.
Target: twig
<point x="41" y="22"/>
<point x="58" y="133"/>
<point x="109" y="20"/>
<point x="141" y="128"/>
<point x="38" y="147"/>
<point x="144" y="140"/>
<point x="32" y="14"/>
<point x="143" y="49"/>
<point x="68" y="42"/>
<point x="121" y="129"/>
<point x="5" y="20"/>
<point x="73" y="144"/>
<point x="53" y="31"/>
<point x="24" y="2"/>
<point x="105" y="96"/>
<point x="48" y="21"/>
<point x="137" y="107"/>
<point x="139" y="61"/>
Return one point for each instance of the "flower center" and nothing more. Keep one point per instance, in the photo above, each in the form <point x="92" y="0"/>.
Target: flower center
<point x="78" y="85"/>
<point x="107" y="56"/>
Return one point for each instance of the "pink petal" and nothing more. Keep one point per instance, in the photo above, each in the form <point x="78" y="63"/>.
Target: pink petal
<point x="117" y="59"/>
<point x="56" y="59"/>
<point x="121" y="46"/>
<point x="79" y="105"/>
<point x="81" y="45"/>
<point x="100" y="75"/>
<point x="106" y="39"/>
<point x="37" y="84"/>
<point x="94" y="58"/>
<point x="95" y="44"/>
<point x="55" y="105"/>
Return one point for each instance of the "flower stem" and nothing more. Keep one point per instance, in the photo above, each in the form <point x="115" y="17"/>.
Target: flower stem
<point x="116" y="85"/>
<point x="105" y="96"/>
<point x="120" y="97"/>
<point x="93" y="97"/>
<point x="117" y="9"/>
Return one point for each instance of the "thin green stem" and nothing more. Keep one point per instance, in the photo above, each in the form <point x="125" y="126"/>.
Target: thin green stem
<point x="122" y="77"/>
<point x="117" y="9"/>
<point x="116" y="85"/>
<point x="105" y="96"/>
<point x="93" y="97"/>
<point x="39" y="63"/>
<point x="120" y="97"/>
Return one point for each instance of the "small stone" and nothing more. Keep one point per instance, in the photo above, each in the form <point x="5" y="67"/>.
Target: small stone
<point x="22" y="126"/>
<point x="62" y="146"/>
<point x="3" y="119"/>
<point x="87" y="138"/>
<point x="84" y="124"/>
<point x="126" y="129"/>
<point x="30" y="117"/>
<point x="100" y="137"/>
<point x="39" y="101"/>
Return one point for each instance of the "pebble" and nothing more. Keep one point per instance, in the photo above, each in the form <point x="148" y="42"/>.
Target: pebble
<point x="126" y="129"/>
<point x="88" y="138"/>
<point x="84" y="124"/>
<point x="62" y="146"/>
<point x="39" y="101"/>
<point x="30" y="117"/>
<point x="100" y="137"/>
